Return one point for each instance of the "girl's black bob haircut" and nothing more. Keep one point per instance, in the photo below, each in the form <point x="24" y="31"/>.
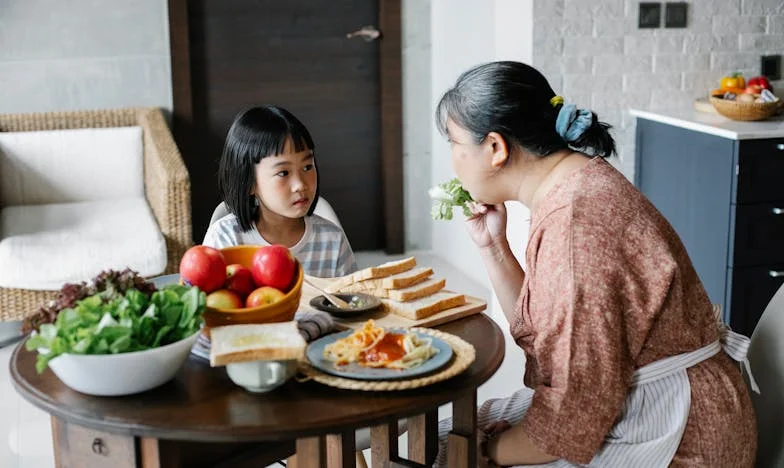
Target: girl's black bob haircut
<point x="256" y="133"/>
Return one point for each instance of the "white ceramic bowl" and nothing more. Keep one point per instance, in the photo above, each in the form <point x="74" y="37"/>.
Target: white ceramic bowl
<point x="261" y="376"/>
<point x="124" y="373"/>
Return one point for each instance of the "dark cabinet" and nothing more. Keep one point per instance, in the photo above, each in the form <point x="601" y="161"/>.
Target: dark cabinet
<point x="725" y="198"/>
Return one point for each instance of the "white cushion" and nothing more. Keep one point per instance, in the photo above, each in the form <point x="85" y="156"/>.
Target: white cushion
<point x="63" y="166"/>
<point x="44" y="246"/>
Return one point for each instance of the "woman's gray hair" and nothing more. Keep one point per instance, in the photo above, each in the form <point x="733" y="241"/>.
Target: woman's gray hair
<point x="513" y="99"/>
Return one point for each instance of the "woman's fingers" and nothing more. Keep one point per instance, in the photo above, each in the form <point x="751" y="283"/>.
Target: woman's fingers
<point x="496" y="427"/>
<point x="477" y="208"/>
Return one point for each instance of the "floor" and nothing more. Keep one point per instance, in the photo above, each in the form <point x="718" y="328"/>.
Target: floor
<point x="25" y="434"/>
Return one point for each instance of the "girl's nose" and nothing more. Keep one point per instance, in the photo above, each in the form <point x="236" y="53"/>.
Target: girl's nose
<point x="297" y="184"/>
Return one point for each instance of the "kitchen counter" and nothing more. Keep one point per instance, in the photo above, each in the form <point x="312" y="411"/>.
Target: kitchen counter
<point x="716" y="124"/>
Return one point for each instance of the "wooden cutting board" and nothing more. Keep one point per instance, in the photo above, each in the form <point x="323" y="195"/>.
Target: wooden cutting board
<point x="386" y="319"/>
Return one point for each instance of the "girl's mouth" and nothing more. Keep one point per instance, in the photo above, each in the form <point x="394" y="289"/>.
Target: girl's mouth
<point x="301" y="201"/>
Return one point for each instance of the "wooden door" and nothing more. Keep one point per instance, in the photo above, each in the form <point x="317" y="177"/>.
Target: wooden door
<point x="296" y="54"/>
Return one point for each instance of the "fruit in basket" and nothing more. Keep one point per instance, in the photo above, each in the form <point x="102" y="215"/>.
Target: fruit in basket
<point x="273" y="265"/>
<point x="264" y="295"/>
<point x="224" y="299"/>
<point x="759" y="83"/>
<point x="203" y="267"/>
<point x="746" y="97"/>
<point x="734" y="80"/>
<point x="240" y="280"/>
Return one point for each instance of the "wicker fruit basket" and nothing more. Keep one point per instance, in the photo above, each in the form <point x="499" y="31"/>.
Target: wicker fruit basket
<point x="745" y="110"/>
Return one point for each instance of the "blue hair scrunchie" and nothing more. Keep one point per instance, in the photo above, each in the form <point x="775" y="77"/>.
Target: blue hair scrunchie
<point x="572" y="122"/>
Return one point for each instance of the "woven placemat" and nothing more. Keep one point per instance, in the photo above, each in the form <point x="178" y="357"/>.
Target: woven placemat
<point x="464" y="355"/>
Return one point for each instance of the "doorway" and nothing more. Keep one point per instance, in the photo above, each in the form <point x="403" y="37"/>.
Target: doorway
<point x="321" y="60"/>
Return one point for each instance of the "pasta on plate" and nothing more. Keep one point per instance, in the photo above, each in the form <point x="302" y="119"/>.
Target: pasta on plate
<point x="373" y="346"/>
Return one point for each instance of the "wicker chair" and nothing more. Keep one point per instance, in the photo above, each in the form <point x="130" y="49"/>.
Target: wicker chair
<point x="166" y="184"/>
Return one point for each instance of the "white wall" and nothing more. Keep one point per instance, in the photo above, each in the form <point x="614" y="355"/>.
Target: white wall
<point x="594" y="54"/>
<point x="83" y="54"/>
<point x="466" y="33"/>
<point x="462" y="36"/>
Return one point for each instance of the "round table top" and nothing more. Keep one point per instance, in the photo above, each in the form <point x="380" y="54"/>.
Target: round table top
<point x="202" y="404"/>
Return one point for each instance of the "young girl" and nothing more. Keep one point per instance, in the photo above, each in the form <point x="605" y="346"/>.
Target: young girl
<point x="268" y="179"/>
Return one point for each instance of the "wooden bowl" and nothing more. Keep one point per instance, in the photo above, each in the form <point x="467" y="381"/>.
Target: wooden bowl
<point x="746" y="111"/>
<point x="281" y="311"/>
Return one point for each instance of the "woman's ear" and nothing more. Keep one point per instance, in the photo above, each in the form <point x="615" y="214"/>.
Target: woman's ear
<point x="499" y="149"/>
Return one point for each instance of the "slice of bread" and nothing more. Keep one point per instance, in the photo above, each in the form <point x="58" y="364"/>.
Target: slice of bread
<point x="410" y="293"/>
<point x="405" y="279"/>
<point x="380" y="271"/>
<point x="426" y="306"/>
<point x="256" y="342"/>
<point x="416" y="291"/>
<point x="397" y="281"/>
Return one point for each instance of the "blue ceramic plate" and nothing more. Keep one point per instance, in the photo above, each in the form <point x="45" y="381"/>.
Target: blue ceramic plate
<point x="161" y="281"/>
<point x="315" y="353"/>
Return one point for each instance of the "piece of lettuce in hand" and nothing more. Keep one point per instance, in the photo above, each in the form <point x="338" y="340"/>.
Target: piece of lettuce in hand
<point x="447" y="196"/>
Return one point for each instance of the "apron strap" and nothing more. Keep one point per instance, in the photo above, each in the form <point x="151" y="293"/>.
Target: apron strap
<point x="737" y="347"/>
<point x="670" y="365"/>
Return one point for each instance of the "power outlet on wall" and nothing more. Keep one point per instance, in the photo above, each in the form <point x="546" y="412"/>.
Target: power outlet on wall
<point x="675" y="14"/>
<point x="650" y="15"/>
<point x="770" y="66"/>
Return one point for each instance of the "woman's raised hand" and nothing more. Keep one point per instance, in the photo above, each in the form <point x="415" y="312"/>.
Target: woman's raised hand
<point x="487" y="225"/>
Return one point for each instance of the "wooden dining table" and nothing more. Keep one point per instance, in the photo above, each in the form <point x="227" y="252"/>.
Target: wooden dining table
<point x="201" y="418"/>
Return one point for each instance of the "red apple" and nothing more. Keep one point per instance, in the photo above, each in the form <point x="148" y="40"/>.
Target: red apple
<point x="264" y="295"/>
<point x="273" y="265"/>
<point x="240" y="280"/>
<point x="203" y="267"/>
<point x="753" y="89"/>
<point x="224" y="299"/>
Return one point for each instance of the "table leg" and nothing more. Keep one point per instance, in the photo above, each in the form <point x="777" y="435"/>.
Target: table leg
<point x="341" y="450"/>
<point x="311" y="453"/>
<point x="154" y="453"/>
<point x="383" y="445"/>
<point x="423" y="438"/>
<point x="462" y="439"/>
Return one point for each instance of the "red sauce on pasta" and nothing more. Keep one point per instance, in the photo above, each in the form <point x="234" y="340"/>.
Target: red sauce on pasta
<point x="390" y="348"/>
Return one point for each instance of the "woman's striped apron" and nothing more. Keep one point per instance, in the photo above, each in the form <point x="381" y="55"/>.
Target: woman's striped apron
<point x="654" y="415"/>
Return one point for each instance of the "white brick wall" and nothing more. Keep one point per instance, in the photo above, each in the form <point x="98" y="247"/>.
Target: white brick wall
<point x="593" y="53"/>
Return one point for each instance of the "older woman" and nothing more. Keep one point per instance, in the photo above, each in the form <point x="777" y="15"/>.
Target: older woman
<point x="625" y="360"/>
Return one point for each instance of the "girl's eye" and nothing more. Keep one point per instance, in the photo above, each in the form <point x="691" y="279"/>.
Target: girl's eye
<point x="282" y="173"/>
<point x="308" y="167"/>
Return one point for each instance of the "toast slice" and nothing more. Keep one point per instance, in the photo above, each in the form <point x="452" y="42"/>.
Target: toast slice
<point x="398" y="281"/>
<point x="380" y="271"/>
<point x="416" y="291"/>
<point x="426" y="306"/>
<point x="410" y="293"/>
<point x="407" y="278"/>
<point x="256" y="342"/>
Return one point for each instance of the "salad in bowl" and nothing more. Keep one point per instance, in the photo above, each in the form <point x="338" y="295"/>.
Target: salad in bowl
<point x="117" y="334"/>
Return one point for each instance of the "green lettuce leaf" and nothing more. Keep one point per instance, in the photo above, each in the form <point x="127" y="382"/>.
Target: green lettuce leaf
<point x="447" y="196"/>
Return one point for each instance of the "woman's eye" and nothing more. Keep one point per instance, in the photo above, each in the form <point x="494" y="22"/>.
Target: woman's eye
<point x="282" y="174"/>
<point x="308" y="167"/>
